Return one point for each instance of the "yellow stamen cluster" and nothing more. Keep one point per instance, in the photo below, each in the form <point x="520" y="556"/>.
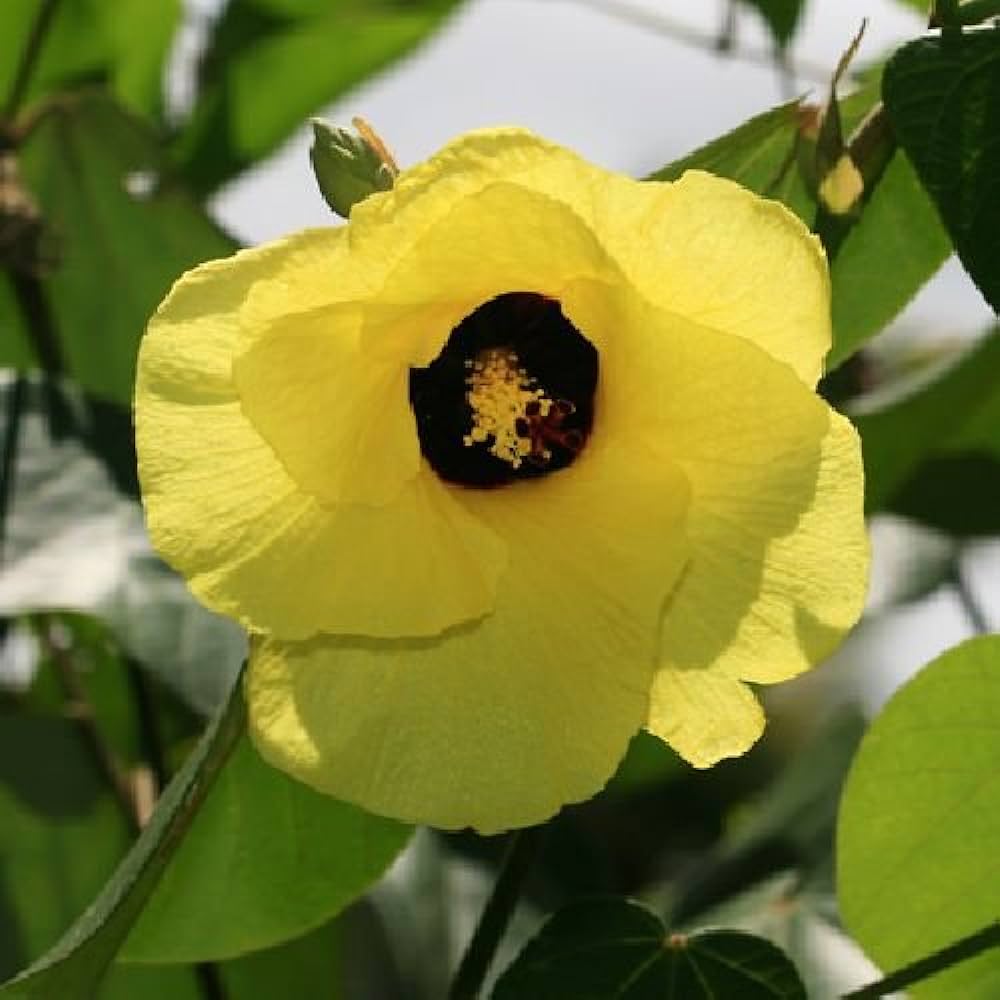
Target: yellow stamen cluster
<point x="500" y="393"/>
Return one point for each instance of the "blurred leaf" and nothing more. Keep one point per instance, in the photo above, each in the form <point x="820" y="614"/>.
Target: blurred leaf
<point x="308" y="967"/>
<point x="329" y="851"/>
<point x="943" y="96"/>
<point x="73" y="541"/>
<point x="16" y="349"/>
<point x="781" y="16"/>
<point x="613" y="947"/>
<point x="270" y="65"/>
<point x="959" y="494"/>
<point x="647" y="763"/>
<point x="898" y="436"/>
<point x="74" y="967"/>
<point x="791" y="825"/>
<point x="153" y="982"/>
<point x="124" y="231"/>
<point x="124" y="43"/>
<point x="61" y="834"/>
<point x="802" y="921"/>
<point x="916" y="842"/>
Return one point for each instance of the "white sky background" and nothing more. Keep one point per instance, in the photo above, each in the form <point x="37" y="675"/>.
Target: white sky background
<point x="631" y="99"/>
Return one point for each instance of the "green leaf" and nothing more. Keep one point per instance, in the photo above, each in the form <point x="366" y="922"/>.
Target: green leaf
<point x="260" y="833"/>
<point x="943" y="96"/>
<point x="61" y="834"/>
<point x="896" y="246"/>
<point x="75" y="966"/>
<point x="271" y="65"/>
<point x="613" y="947"/>
<point x="123" y="231"/>
<point x="123" y="43"/>
<point x="916" y="843"/>
<point x="781" y="16"/>
<point x="899" y="435"/>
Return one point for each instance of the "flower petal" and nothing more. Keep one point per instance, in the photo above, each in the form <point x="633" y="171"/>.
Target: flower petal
<point x="709" y="250"/>
<point x="228" y="515"/>
<point x="255" y="547"/>
<point x="779" y="554"/>
<point x="552" y="685"/>
<point x="704" y="715"/>
<point x="338" y="419"/>
<point x="702" y="247"/>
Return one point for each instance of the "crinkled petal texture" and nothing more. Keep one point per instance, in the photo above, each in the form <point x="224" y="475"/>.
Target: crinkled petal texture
<point x="481" y="657"/>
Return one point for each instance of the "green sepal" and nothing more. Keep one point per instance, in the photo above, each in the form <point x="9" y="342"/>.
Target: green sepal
<point x="349" y="166"/>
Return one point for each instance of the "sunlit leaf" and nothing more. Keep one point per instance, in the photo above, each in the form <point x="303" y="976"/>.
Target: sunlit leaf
<point x="916" y="843"/>
<point x="329" y="851"/>
<point x="122" y="230"/>
<point x="270" y="65"/>
<point x="616" y="948"/>
<point x="943" y="95"/>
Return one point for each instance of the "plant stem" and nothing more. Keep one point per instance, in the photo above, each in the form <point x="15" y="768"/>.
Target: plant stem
<point x="658" y="23"/>
<point x="963" y="949"/>
<point x="82" y="712"/>
<point x="522" y="850"/>
<point x="8" y="456"/>
<point x="971" y="606"/>
<point x="29" y="58"/>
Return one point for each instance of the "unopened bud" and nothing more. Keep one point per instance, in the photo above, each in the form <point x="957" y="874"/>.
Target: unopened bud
<point x="349" y="166"/>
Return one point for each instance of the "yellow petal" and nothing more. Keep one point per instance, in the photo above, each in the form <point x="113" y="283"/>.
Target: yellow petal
<point x="709" y="250"/>
<point x="499" y="723"/>
<point x="338" y="419"/>
<point x="704" y="715"/>
<point x="779" y="554"/>
<point x="187" y="352"/>
<point x="503" y="238"/>
<point x="702" y="247"/>
<point x="223" y="509"/>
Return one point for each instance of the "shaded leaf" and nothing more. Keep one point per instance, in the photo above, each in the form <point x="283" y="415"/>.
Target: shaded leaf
<point x="123" y="232"/>
<point x="916" y="842"/>
<point x="61" y="834"/>
<point x="73" y="541"/>
<point x="270" y="65"/>
<point x="934" y="455"/>
<point x="329" y="851"/>
<point x="943" y="95"/>
<point x="75" y="966"/>
<point x="616" y="948"/>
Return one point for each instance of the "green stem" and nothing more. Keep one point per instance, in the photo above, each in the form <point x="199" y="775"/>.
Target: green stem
<point x="29" y="58"/>
<point x="960" y="951"/>
<point x="522" y="850"/>
<point x="971" y="606"/>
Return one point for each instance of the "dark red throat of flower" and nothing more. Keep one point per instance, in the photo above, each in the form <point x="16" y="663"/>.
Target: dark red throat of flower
<point x="510" y="396"/>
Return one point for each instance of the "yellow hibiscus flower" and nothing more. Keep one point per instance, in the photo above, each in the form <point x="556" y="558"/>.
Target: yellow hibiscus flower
<point x="523" y="458"/>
